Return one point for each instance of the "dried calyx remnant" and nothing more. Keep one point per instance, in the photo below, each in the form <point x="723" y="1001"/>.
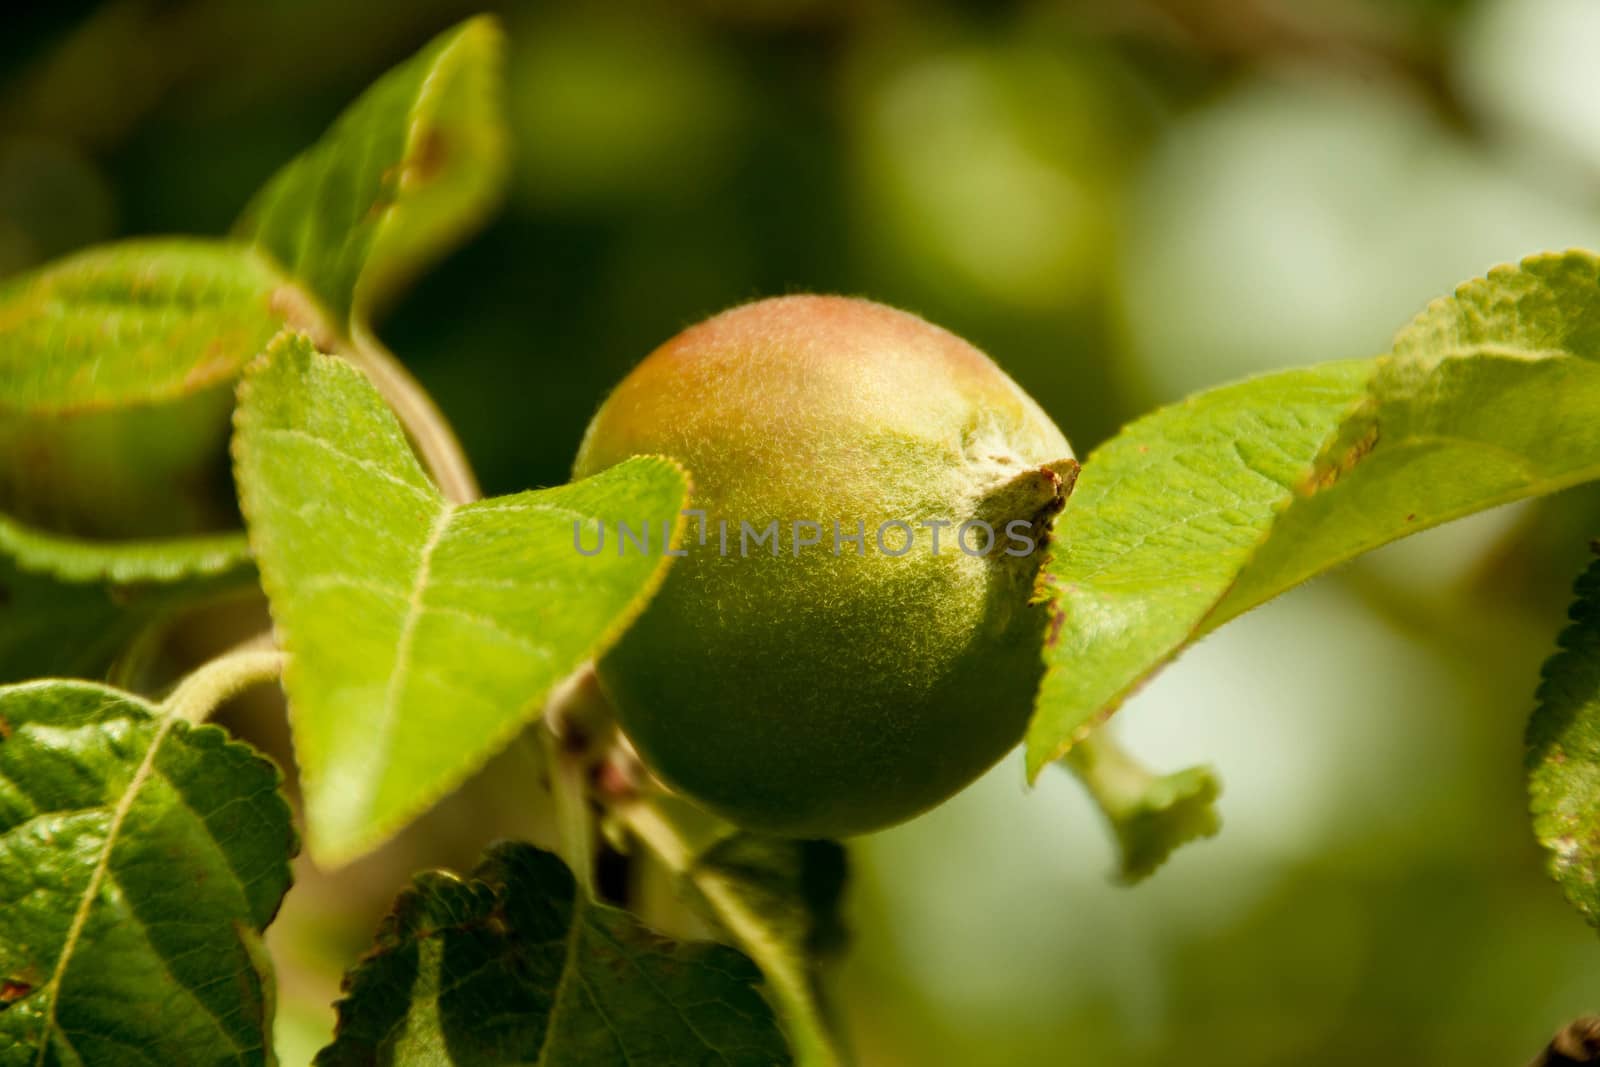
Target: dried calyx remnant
<point x="840" y="689"/>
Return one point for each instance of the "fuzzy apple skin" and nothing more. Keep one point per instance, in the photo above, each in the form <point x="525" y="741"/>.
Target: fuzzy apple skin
<point x="822" y="695"/>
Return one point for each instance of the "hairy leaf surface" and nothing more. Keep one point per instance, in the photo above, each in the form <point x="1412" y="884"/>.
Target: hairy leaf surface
<point x="516" y="965"/>
<point x="423" y="635"/>
<point x="140" y="859"/>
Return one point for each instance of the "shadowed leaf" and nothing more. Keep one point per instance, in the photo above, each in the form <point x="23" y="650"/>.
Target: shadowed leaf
<point x="776" y="899"/>
<point x="55" y="628"/>
<point x="515" y="965"/>
<point x="1564" y="753"/>
<point x="140" y="859"/>
<point x="406" y="171"/>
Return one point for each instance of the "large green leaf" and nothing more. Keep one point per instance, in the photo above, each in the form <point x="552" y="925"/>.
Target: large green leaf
<point x="423" y="635"/>
<point x="1489" y="396"/>
<point x="776" y="899"/>
<point x="140" y="859"/>
<point x="1205" y="509"/>
<point x="407" y="170"/>
<point x="116" y="372"/>
<point x="1564" y="753"/>
<point x="516" y="965"/>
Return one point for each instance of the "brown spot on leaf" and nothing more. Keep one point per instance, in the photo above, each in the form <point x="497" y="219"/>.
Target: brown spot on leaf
<point x="1058" y="619"/>
<point x="13" y="990"/>
<point x="1328" y="474"/>
<point x="5" y="728"/>
<point x="424" y="164"/>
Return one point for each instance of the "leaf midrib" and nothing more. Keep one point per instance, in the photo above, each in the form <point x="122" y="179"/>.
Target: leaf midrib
<point x="91" y="892"/>
<point x="394" y="692"/>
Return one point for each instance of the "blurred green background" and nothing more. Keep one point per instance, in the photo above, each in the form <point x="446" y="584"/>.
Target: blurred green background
<point x="1121" y="201"/>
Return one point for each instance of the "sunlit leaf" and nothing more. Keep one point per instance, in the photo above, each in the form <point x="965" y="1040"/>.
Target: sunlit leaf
<point x="1161" y="521"/>
<point x="140" y="859"/>
<point x="423" y="635"/>
<point x="1210" y="507"/>
<point x="515" y="965"/>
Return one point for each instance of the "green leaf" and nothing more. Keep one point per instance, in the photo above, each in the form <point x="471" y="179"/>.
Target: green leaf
<point x="423" y="635"/>
<point x="776" y="899"/>
<point x="49" y="627"/>
<point x="405" y="172"/>
<point x="140" y="859"/>
<point x="116" y="374"/>
<point x="1210" y="507"/>
<point x="1162" y="519"/>
<point x="516" y="965"/>
<point x="1489" y="396"/>
<point x="167" y="559"/>
<point x="133" y="324"/>
<point x="1564" y="753"/>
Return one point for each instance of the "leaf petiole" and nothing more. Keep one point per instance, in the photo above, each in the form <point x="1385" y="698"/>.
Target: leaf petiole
<point x="1151" y="814"/>
<point x="230" y="674"/>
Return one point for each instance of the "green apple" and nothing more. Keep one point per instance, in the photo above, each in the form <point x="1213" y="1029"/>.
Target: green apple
<point x="851" y="636"/>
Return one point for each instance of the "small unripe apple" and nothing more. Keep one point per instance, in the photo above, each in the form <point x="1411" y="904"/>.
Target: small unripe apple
<point x="825" y="686"/>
